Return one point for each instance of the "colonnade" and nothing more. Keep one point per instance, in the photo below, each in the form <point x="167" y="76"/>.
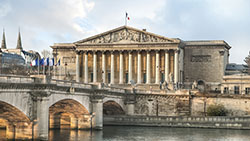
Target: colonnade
<point x="130" y="67"/>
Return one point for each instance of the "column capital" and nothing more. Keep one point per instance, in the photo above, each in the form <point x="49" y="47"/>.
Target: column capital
<point x="166" y="50"/>
<point x="78" y="52"/>
<point x="121" y="51"/>
<point x="147" y="51"/>
<point x="157" y="50"/>
<point x="129" y="51"/>
<point x="177" y="51"/>
<point x="139" y="51"/>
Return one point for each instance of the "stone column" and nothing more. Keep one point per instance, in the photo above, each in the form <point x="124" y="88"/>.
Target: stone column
<point x="42" y="118"/>
<point x="97" y="113"/>
<point x="148" y="72"/>
<point x="157" y="67"/>
<point x="121" y="68"/>
<point x="94" y="66"/>
<point x="167" y="66"/>
<point x="103" y="67"/>
<point x="130" y="108"/>
<point x="130" y="67"/>
<point x="86" y="71"/>
<point x="139" y="68"/>
<point x="112" y="69"/>
<point x="77" y="66"/>
<point x="176" y="66"/>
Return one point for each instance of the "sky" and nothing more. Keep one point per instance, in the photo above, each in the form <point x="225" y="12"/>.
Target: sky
<point x="45" y="22"/>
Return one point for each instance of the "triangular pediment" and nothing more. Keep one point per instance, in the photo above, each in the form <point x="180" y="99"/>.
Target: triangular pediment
<point x="126" y="34"/>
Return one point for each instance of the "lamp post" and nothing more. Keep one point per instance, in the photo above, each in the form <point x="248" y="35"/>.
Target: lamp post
<point x="65" y="69"/>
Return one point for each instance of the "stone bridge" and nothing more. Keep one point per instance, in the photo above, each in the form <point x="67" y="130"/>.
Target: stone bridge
<point x="30" y="106"/>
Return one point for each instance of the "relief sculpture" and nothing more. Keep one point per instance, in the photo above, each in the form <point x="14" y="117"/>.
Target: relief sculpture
<point x="126" y="35"/>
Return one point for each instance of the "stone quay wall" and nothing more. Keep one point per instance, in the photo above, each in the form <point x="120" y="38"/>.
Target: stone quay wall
<point x="236" y="105"/>
<point x="186" y="122"/>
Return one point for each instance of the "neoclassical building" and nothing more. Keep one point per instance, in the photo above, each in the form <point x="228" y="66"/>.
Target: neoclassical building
<point x="127" y="55"/>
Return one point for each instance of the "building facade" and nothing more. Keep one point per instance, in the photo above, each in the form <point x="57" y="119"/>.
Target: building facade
<point x="236" y="84"/>
<point x="126" y="55"/>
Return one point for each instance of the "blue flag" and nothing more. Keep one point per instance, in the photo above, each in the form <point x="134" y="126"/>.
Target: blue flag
<point x="41" y="62"/>
<point x="59" y="62"/>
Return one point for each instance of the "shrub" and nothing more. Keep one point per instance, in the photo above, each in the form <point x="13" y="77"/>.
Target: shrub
<point x="216" y="110"/>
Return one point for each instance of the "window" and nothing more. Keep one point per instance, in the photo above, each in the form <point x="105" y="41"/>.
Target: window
<point x="247" y="90"/>
<point x="236" y="90"/>
<point x="126" y="77"/>
<point x="109" y="76"/>
<point x="92" y="77"/>
<point x="162" y="77"/>
<point x="226" y="90"/>
<point x="144" y="77"/>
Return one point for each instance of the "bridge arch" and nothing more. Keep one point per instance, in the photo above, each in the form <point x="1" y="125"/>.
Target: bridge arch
<point x="16" y="123"/>
<point x="83" y="100"/>
<point x="70" y="114"/>
<point x="21" y="101"/>
<point x="111" y="107"/>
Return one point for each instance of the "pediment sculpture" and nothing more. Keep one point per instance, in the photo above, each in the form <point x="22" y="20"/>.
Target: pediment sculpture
<point x="125" y="36"/>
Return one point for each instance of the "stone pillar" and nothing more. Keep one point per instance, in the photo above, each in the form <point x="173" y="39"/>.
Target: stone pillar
<point x="130" y="67"/>
<point x="42" y="118"/>
<point x="112" y="69"/>
<point x="157" y="67"/>
<point x="94" y="66"/>
<point x="97" y="112"/>
<point x="73" y="123"/>
<point x="77" y="67"/>
<point x="148" y="72"/>
<point x="86" y="71"/>
<point x="121" y="68"/>
<point x="139" y="68"/>
<point x="176" y="66"/>
<point x="130" y="108"/>
<point x="103" y="67"/>
<point x="167" y="66"/>
<point x="10" y="132"/>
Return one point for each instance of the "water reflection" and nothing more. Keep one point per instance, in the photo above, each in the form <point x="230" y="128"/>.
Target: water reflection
<point x="124" y="133"/>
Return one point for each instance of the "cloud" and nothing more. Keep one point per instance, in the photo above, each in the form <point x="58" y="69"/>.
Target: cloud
<point x="44" y="22"/>
<point x="5" y="8"/>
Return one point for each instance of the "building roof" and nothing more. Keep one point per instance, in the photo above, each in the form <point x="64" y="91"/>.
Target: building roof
<point x="235" y="67"/>
<point x="12" y="59"/>
<point x="206" y="43"/>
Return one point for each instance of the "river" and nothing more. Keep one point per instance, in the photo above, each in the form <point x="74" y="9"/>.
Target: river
<point x="132" y="133"/>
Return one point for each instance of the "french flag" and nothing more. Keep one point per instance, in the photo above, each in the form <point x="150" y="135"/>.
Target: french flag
<point x="127" y="17"/>
<point x="34" y="62"/>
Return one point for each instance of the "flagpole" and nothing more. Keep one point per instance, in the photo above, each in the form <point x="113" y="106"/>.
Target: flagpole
<point x="38" y="64"/>
<point x="126" y="19"/>
<point x="49" y="68"/>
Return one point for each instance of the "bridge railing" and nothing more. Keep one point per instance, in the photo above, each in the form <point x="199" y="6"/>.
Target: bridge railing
<point x="71" y="84"/>
<point x="16" y="79"/>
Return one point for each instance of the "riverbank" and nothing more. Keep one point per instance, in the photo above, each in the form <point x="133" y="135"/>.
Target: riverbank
<point x="187" y="122"/>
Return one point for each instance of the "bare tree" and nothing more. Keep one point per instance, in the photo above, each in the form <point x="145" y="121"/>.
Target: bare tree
<point x="46" y="53"/>
<point x="247" y="60"/>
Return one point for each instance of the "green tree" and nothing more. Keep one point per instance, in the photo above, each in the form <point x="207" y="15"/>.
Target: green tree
<point x="247" y="60"/>
<point x="216" y="110"/>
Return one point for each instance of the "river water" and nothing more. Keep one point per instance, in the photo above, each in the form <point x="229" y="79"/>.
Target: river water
<point x="132" y="133"/>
